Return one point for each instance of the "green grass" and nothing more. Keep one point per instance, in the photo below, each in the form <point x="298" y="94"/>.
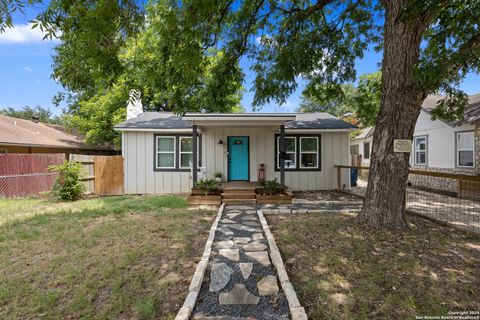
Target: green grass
<point x="343" y="270"/>
<point x="101" y="258"/>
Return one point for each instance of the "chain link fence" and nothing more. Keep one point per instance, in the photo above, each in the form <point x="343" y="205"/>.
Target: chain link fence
<point x="452" y="199"/>
<point x="23" y="175"/>
<point x="25" y="185"/>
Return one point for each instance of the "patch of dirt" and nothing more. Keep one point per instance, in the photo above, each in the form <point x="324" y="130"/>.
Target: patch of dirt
<point x="344" y="270"/>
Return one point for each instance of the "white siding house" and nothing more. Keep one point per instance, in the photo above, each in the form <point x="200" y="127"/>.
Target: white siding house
<point x="157" y="149"/>
<point x="438" y="145"/>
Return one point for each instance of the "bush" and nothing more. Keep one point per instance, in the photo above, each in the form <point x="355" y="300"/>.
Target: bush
<point x="68" y="186"/>
<point x="208" y="186"/>
<point x="271" y="187"/>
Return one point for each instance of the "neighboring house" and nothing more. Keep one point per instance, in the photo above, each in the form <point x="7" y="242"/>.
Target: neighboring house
<point x="31" y="136"/>
<point x="362" y="145"/>
<point x="437" y="145"/>
<point x="160" y="156"/>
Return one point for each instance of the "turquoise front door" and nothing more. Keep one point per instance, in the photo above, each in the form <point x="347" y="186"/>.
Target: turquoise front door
<point x="238" y="159"/>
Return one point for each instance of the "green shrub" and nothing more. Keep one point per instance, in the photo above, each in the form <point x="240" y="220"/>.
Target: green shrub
<point x="68" y="186"/>
<point x="218" y="174"/>
<point x="271" y="187"/>
<point x="208" y="186"/>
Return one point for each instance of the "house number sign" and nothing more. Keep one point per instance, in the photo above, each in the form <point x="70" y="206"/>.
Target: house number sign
<point x="402" y="145"/>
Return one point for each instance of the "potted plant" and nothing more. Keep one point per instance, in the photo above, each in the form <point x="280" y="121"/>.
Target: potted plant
<point x="210" y="192"/>
<point x="272" y="192"/>
<point x="218" y="176"/>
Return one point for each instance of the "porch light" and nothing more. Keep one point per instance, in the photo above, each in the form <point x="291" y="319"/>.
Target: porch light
<point x="220" y="141"/>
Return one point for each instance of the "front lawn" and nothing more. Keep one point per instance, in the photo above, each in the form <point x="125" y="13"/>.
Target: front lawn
<point x="342" y="270"/>
<point x="104" y="258"/>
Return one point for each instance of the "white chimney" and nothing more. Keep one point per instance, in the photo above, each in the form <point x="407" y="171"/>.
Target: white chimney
<point x="134" y="106"/>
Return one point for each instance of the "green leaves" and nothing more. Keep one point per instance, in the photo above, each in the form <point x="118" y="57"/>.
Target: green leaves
<point x="362" y="101"/>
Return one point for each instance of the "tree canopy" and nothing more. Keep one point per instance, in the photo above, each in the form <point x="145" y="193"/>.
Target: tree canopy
<point x="27" y="112"/>
<point x="361" y="101"/>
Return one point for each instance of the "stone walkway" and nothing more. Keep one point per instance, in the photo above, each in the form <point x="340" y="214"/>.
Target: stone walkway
<point x="240" y="281"/>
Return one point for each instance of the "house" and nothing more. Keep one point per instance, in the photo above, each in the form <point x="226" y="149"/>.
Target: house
<point x="161" y="156"/>
<point x="361" y="145"/>
<point x="437" y="145"/>
<point x="31" y="136"/>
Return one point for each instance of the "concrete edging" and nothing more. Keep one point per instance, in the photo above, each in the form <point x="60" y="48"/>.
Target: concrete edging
<point x="296" y="310"/>
<point x="185" y="312"/>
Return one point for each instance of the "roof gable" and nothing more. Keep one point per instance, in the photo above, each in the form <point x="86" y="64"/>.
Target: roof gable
<point x="26" y="132"/>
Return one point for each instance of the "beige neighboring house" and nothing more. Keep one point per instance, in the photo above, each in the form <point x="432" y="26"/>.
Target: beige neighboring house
<point x="160" y="154"/>
<point x="437" y="145"/>
<point x="31" y="136"/>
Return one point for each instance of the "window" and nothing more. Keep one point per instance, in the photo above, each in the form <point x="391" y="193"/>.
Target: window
<point x="308" y="152"/>
<point x="186" y="154"/>
<point x="165" y="152"/>
<point x="302" y="152"/>
<point x="355" y="149"/>
<point x="465" y="149"/>
<point x="366" y="150"/>
<point x="291" y="152"/>
<point x="420" y="151"/>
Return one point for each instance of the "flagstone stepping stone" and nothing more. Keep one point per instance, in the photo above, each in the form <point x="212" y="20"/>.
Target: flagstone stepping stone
<point x="241" y="227"/>
<point x="246" y="269"/>
<point x="241" y="240"/>
<point x="257" y="236"/>
<point x="250" y="211"/>
<point x="225" y="244"/>
<point x="231" y="254"/>
<point x="225" y="220"/>
<point x="220" y="276"/>
<point x="255" y="246"/>
<point x="239" y="207"/>
<point x="259" y="256"/>
<point x="251" y="223"/>
<point x="226" y="231"/>
<point x="238" y="295"/>
<point x="233" y="215"/>
<point x="249" y="218"/>
<point x="200" y="317"/>
<point x="268" y="286"/>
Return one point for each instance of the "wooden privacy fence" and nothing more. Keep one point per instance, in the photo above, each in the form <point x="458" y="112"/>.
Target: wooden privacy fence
<point x="23" y="175"/>
<point x="103" y="174"/>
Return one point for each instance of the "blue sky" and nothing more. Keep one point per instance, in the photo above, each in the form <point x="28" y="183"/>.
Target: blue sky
<point x="26" y="66"/>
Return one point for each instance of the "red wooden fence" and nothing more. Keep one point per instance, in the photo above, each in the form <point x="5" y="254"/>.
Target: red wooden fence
<point x="26" y="174"/>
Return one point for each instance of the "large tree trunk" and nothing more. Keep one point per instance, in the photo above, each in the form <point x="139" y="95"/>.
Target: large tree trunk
<point x="384" y="204"/>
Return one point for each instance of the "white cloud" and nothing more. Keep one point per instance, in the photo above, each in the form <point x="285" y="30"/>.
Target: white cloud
<point x="288" y="106"/>
<point x="22" y="33"/>
<point x="27" y="68"/>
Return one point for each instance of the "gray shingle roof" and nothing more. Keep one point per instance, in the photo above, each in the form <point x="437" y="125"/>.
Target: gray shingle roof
<point x="319" y="120"/>
<point x="168" y="120"/>
<point x="472" y="111"/>
<point x="155" y="120"/>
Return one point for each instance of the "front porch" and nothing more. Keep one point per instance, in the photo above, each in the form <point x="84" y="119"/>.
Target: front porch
<point x="238" y="192"/>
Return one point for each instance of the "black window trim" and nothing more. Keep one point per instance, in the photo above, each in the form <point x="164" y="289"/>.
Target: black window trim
<point x="297" y="152"/>
<point x="177" y="152"/>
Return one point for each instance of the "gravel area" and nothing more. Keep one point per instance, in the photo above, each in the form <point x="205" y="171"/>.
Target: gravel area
<point x="269" y="307"/>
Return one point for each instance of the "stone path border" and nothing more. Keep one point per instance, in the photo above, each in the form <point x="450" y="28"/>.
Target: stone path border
<point x="185" y="312"/>
<point x="297" y="312"/>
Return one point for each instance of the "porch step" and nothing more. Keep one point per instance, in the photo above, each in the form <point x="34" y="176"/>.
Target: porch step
<point x="238" y="201"/>
<point x="236" y="191"/>
<point x="246" y="195"/>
